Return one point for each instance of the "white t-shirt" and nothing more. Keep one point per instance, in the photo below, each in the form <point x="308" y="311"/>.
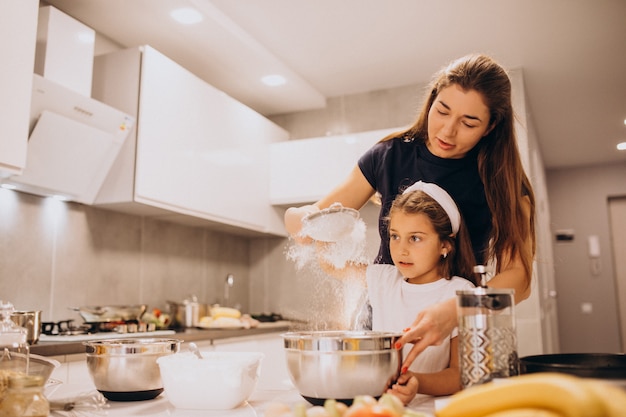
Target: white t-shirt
<point x="396" y="303"/>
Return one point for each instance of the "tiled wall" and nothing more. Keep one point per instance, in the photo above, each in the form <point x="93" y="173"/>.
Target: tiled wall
<point x="362" y="112"/>
<point x="56" y="255"/>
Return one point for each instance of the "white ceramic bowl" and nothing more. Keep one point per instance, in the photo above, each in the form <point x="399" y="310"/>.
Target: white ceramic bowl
<point x="219" y="381"/>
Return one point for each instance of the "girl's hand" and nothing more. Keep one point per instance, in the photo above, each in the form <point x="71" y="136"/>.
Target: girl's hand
<point x="405" y="387"/>
<point x="431" y="327"/>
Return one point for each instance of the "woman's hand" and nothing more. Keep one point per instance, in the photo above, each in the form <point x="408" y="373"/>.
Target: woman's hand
<point x="431" y="327"/>
<point x="293" y="221"/>
<point x="405" y="387"/>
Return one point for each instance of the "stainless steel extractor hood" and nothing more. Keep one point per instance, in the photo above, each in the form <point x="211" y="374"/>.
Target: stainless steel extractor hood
<point x="74" y="140"/>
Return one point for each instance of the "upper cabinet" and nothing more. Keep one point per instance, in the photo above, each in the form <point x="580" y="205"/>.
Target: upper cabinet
<point x="198" y="156"/>
<point x="18" y="33"/>
<point x="302" y="171"/>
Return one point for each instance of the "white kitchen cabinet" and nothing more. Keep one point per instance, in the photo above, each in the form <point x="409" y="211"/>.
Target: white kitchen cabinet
<point x="198" y="154"/>
<point x="18" y="33"/>
<point x="302" y="171"/>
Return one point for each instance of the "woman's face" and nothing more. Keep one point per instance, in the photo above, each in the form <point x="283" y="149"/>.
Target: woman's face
<point x="457" y="121"/>
<point x="415" y="247"/>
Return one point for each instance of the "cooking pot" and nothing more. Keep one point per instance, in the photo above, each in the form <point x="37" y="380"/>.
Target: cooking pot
<point x="31" y="321"/>
<point x="114" y="313"/>
<point x="188" y="313"/>
<point x="590" y="365"/>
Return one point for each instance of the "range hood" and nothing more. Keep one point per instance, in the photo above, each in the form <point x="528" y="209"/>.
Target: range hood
<point x="73" y="142"/>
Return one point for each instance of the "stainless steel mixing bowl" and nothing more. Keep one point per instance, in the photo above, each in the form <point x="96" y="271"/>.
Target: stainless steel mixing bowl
<point x="341" y="364"/>
<point x="127" y="369"/>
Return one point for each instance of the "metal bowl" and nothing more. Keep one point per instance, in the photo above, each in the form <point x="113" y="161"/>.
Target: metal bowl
<point x="341" y="364"/>
<point x="127" y="369"/>
<point x="37" y="365"/>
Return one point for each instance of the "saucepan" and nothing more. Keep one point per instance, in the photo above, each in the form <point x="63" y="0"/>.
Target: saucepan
<point x="188" y="313"/>
<point x="112" y="313"/>
<point x="31" y="321"/>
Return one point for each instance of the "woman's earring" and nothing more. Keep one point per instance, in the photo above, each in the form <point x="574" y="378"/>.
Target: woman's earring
<point x="445" y="255"/>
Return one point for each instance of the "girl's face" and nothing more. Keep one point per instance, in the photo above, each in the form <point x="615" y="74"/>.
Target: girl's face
<point x="415" y="247"/>
<point x="457" y="121"/>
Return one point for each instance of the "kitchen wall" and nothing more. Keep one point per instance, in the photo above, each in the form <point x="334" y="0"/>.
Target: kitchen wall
<point x="55" y="255"/>
<point x="587" y="302"/>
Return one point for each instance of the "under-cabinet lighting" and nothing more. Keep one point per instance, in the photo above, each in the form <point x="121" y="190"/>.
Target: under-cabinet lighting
<point x="621" y="146"/>
<point x="186" y="15"/>
<point x="8" y="186"/>
<point x="274" y="80"/>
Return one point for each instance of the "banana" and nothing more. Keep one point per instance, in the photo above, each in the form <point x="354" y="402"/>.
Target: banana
<point x="613" y="397"/>
<point x="525" y="412"/>
<point x="561" y="393"/>
<point x="217" y="312"/>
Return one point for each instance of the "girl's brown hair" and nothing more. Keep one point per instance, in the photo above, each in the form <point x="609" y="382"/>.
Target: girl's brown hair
<point x="499" y="163"/>
<point x="460" y="260"/>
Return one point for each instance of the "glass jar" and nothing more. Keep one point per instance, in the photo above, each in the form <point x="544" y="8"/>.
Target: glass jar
<point x="25" y="398"/>
<point x="487" y="336"/>
<point x="14" y="350"/>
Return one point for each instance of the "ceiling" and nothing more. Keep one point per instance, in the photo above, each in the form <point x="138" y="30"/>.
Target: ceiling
<point x="572" y="53"/>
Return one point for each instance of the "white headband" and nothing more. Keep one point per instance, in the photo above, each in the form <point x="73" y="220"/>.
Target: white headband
<point x="443" y="198"/>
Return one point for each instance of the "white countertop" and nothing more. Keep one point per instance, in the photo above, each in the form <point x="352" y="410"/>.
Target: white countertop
<point x="160" y="406"/>
<point x="274" y="385"/>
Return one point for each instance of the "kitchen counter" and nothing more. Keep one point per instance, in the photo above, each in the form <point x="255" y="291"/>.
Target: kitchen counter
<point x="254" y="407"/>
<point x="51" y="347"/>
<point x="274" y="385"/>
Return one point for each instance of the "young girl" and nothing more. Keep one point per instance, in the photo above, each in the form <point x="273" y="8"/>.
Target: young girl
<point x="430" y="250"/>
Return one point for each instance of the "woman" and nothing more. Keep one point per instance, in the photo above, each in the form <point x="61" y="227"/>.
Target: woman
<point x="464" y="141"/>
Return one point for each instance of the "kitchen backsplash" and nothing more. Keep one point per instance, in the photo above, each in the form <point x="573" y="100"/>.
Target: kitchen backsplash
<point x="56" y="255"/>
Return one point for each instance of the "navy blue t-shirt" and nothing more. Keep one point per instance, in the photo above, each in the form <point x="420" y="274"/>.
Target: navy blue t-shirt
<point x="393" y="165"/>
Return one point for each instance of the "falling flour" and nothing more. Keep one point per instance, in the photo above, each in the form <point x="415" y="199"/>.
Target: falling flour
<point x="345" y="297"/>
<point x="348" y="246"/>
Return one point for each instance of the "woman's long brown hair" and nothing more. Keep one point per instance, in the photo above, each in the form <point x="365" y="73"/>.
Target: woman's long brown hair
<point x="499" y="162"/>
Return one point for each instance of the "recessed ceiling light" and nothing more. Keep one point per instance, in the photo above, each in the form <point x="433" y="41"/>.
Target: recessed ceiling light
<point x="621" y="146"/>
<point x="186" y="15"/>
<point x="274" y="80"/>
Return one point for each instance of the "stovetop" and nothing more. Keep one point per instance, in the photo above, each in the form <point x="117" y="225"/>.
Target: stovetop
<point x="102" y="335"/>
